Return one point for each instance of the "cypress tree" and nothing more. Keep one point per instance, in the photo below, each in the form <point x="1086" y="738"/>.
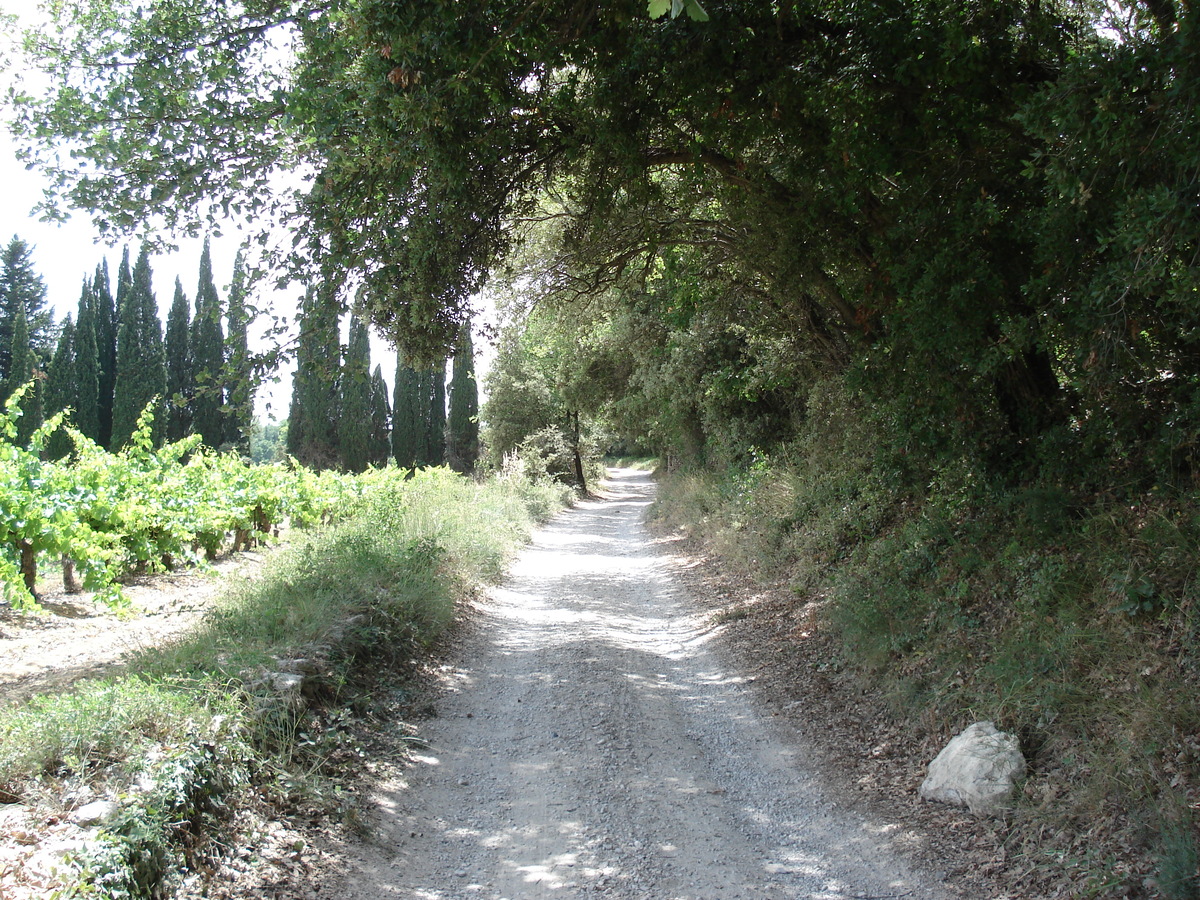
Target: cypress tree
<point x="124" y="283"/>
<point x="21" y="288"/>
<point x="180" y="380"/>
<point x="407" y="415"/>
<point x="85" y="379"/>
<point x="22" y="366"/>
<point x="435" y="422"/>
<point x="380" y="442"/>
<point x="239" y="389"/>
<point x="312" y="418"/>
<point x="60" y="387"/>
<point x="141" y="365"/>
<point x="105" y="309"/>
<point x="354" y="411"/>
<point x="462" y="432"/>
<point x="208" y="358"/>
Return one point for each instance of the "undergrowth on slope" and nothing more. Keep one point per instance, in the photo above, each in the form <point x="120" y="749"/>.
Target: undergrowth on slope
<point x="1070" y="620"/>
<point x="221" y="711"/>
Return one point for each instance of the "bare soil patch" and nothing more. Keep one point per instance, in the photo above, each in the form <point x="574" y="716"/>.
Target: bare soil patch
<point x="77" y="637"/>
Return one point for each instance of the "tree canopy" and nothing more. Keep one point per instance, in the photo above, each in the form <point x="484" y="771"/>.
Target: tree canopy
<point x="985" y="212"/>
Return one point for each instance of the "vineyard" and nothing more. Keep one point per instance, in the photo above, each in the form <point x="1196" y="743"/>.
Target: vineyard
<point x="104" y="516"/>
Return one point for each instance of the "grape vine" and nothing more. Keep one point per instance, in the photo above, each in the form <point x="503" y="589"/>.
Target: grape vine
<point x="108" y="515"/>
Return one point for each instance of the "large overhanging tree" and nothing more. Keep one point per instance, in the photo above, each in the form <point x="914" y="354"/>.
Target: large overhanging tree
<point x="893" y="180"/>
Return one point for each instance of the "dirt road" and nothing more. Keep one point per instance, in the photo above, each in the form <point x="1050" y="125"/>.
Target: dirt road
<point x="594" y="743"/>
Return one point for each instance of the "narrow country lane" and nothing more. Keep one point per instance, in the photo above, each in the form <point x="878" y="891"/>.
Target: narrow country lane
<point x="596" y="745"/>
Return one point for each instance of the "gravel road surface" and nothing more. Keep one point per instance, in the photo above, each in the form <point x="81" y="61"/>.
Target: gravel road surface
<point x="594" y="742"/>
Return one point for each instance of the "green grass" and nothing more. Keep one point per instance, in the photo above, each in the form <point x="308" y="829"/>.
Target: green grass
<point x="200" y="717"/>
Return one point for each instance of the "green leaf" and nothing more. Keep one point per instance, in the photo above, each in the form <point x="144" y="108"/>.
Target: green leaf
<point x="657" y="8"/>
<point x="696" y="12"/>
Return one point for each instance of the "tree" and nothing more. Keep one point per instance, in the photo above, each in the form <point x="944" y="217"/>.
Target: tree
<point x="141" y="364"/>
<point x="312" y="436"/>
<point x="462" y="432"/>
<point x="528" y="409"/>
<point x="60" y="387"/>
<point x="21" y="288"/>
<point x="181" y="381"/>
<point x="381" y="413"/>
<point x="355" y="407"/>
<point x="982" y="215"/>
<point x="124" y="285"/>
<point x="431" y="406"/>
<point x="72" y="377"/>
<point x="23" y="368"/>
<point x="107" y="326"/>
<point x="207" y="344"/>
<point x="85" y="379"/>
<point x="239" y="385"/>
<point x="268" y="442"/>
<point x="407" y="416"/>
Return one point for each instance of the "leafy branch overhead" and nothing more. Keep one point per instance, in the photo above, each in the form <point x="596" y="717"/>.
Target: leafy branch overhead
<point x="986" y="213"/>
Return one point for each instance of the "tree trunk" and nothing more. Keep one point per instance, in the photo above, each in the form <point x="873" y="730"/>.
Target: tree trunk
<point x="580" y="477"/>
<point x="70" y="579"/>
<point x="28" y="565"/>
<point x="1029" y="395"/>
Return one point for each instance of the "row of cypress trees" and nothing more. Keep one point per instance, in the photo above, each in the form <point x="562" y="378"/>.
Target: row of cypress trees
<point x="340" y="414"/>
<point x="112" y="359"/>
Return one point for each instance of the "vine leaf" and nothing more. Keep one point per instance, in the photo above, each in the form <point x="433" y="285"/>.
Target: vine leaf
<point x="659" y="8"/>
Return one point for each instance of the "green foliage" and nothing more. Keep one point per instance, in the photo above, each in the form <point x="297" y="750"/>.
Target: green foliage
<point x="107" y="326"/>
<point x="181" y="380"/>
<point x="268" y="442"/>
<point x="239" y="390"/>
<point x="462" y="430"/>
<point x="142" y="509"/>
<point x="407" y="418"/>
<point x="141" y="376"/>
<point x="38" y="513"/>
<point x="540" y="403"/>
<point x="312" y="417"/>
<point x="164" y="100"/>
<point x="85" y="375"/>
<point x="380" y="442"/>
<point x="60" y="387"/>
<point x="206" y="344"/>
<point x="431" y="387"/>
<point x="24" y="372"/>
<point x="354" y="403"/>
<point x="21" y="287"/>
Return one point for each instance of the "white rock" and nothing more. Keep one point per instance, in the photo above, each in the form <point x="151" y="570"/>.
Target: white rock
<point x="94" y="813"/>
<point x="978" y="769"/>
